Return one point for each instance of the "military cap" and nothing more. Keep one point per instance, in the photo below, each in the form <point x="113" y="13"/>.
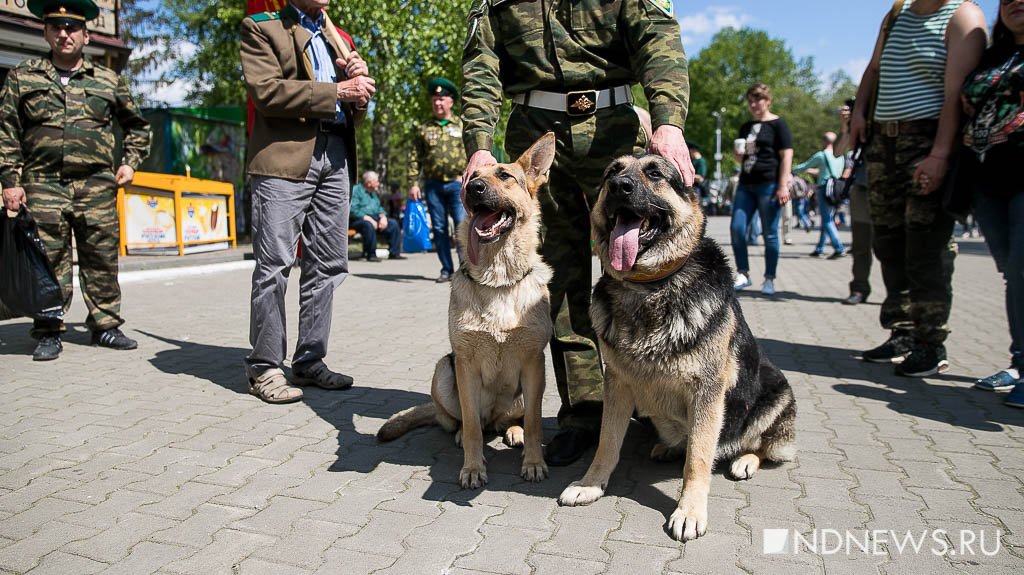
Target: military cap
<point x="64" y="10"/>
<point x="443" y="87"/>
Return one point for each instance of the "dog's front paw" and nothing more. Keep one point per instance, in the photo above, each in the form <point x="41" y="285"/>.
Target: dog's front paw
<point x="534" y="470"/>
<point x="577" y="494"/>
<point x="689" y="521"/>
<point x="514" y="436"/>
<point x="745" y="466"/>
<point x="473" y="476"/>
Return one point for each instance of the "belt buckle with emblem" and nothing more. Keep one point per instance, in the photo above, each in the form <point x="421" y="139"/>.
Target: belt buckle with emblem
<point x="582" y="103"/>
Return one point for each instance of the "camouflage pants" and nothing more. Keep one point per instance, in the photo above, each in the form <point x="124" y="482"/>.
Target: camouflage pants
<point x="585" y="146"/>
<point x="913" y="239"/>
<point x="86" y="208"/>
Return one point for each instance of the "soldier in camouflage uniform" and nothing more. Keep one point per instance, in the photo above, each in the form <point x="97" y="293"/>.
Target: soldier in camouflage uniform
<point x="57" y="157"/>
<point x="439" y="155"/>
<point x="568" y="67"/>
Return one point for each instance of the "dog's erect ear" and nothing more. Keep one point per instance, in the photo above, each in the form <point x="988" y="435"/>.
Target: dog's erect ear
<point x="536" y="161"/>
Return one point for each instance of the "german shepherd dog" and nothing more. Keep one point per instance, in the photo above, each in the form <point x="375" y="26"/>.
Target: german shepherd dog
<point x="675" y="344"/>
<point x="499" y="322"/>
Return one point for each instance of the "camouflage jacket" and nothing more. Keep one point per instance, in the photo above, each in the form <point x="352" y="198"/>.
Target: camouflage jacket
<point x="50" y="132"/>
<point x="438" y="151"/>
<point x="514" y="46"/>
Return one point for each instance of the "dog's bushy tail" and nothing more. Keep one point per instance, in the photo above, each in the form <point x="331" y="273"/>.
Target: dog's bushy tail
<point x="405" y="421"/>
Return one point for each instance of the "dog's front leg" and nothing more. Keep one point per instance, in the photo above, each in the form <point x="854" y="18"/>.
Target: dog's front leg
<point x="532" y="374"/>
<point x="474" y="470"/>
<point x="618" y="408"/>
<point x="690" y="519"/>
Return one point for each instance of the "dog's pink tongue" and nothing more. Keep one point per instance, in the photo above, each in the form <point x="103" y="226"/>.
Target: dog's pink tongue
<point x="625" y="243"/>
<point x="480" y="221"/>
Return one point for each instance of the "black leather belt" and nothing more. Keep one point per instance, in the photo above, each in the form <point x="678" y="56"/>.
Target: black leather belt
<point x="908" y="128"/>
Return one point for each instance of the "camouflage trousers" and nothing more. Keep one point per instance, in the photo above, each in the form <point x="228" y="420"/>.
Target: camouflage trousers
<point x="86" y="208"/>
<point x="584" y="148"/>
<point x="913" y="239"/>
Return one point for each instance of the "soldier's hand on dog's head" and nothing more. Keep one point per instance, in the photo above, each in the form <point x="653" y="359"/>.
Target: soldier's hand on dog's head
<point x="479" y="159"/>
<point x="14" y="198"/>
<point x="668" y="143"/>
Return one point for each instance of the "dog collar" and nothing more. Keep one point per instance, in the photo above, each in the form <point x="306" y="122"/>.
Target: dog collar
<point x="661" y="274"/>
<point x="470" y="277"/>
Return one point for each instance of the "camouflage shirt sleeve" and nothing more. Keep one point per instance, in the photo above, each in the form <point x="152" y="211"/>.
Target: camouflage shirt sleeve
<point x="481" y="92"/>
<point x="658" y="60"/>
<point x="10" y="133"/>
<point x="415" y="157"/>
<point x="136" y="128"/>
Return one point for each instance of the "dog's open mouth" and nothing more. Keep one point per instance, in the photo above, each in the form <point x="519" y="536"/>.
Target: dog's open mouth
<point x="630" y="236"/>
<point x="486" y="227"/>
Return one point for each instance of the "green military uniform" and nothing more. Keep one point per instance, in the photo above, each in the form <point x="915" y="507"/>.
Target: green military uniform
<point x="57" y="142"/>
<point x="437" y="151"/>
<point x="562" y="46"/>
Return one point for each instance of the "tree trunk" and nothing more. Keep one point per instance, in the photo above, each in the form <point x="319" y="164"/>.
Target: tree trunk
<point x="380" y="146"/>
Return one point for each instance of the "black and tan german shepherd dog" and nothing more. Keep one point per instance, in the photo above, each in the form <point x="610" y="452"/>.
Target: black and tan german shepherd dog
<point x="675" y="344"/>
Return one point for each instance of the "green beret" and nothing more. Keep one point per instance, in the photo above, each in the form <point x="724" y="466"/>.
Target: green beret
<point x="80" y="10"/>
<point x="443" y="87"/>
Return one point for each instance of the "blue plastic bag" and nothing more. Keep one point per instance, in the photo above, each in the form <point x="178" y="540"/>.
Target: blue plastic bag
<point x="415" y="231"/>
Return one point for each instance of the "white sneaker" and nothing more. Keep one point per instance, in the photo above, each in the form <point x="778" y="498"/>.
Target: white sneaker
<point x="768" y="288"/>
<point x="742" y="281"/>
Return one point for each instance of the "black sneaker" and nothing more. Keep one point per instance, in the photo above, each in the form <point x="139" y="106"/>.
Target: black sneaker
<point x="816" y="254"/>
<point x="114" y="339"/>
<point x="48" y="348"/>
<point x="924" y="360"/>
<point x="837" y="256"/>
<point x="894" y="350"/>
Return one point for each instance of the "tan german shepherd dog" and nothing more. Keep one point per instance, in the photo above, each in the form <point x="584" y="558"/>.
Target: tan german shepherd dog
<point x="498" y="322"/>
<point x="675" y="344"/>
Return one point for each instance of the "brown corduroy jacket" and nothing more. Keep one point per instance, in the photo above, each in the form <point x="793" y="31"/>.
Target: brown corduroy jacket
<point x="289" y="102"/>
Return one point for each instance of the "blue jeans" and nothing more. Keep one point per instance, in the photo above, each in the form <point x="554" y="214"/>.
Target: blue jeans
<point x="760" y="198"/>
<point x="828" y="225"/>
<point x="801" y="212"/>
<point x="369" y="233"/>
<point x="443" y="200"/>
<point x="1002" y="222"/>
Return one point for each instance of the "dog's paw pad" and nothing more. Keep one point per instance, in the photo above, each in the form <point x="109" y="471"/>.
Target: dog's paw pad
<point x="534" y="471"/>
<point x="472" y="477"/>
<point x="745" y="466"/>
<point x="580" y="495"/>
<point x="514" y="436"/>
<point x="688" y="523"/>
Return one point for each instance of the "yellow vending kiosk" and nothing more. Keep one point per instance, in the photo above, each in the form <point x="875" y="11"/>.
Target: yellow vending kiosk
<point x="162" y="214"/>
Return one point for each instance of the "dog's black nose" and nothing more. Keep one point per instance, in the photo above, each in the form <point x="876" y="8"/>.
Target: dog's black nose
<point x="622" y="185"/>
<point x="476" y="188"/>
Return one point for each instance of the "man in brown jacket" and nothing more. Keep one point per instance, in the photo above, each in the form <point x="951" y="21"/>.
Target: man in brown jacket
<point x="301" y="162"/>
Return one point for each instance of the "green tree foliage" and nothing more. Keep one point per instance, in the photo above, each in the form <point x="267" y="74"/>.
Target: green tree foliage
<point x="405" y="43"/>
<point x="735" y="59"/>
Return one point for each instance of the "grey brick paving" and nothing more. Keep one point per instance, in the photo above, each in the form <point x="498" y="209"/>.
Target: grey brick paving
<point x="158" y="461"/>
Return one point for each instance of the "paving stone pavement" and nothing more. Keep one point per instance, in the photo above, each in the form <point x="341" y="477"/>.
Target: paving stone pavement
<point x="158" y="461"/>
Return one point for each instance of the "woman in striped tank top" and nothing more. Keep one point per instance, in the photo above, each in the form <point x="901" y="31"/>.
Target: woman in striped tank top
<point x="914" y="80"/>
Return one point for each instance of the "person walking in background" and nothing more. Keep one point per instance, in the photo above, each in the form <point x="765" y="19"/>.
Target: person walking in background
<point x="800" y="192"/>
<point x="994" y="136"/>
<point x="860" y="215"/>
<point x="57" y="158"/>
<point x="302" y="164"/>
<point x="766" y="156"/>
<point x="829" y="168"/>
<point x="917" y="72"/>
<point x="576" y="85"/>
<point x="439" y="158"/>
<point x="367" y="217"/>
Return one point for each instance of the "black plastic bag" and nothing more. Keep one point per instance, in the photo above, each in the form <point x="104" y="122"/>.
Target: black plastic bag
<point x="28" y="286"/>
